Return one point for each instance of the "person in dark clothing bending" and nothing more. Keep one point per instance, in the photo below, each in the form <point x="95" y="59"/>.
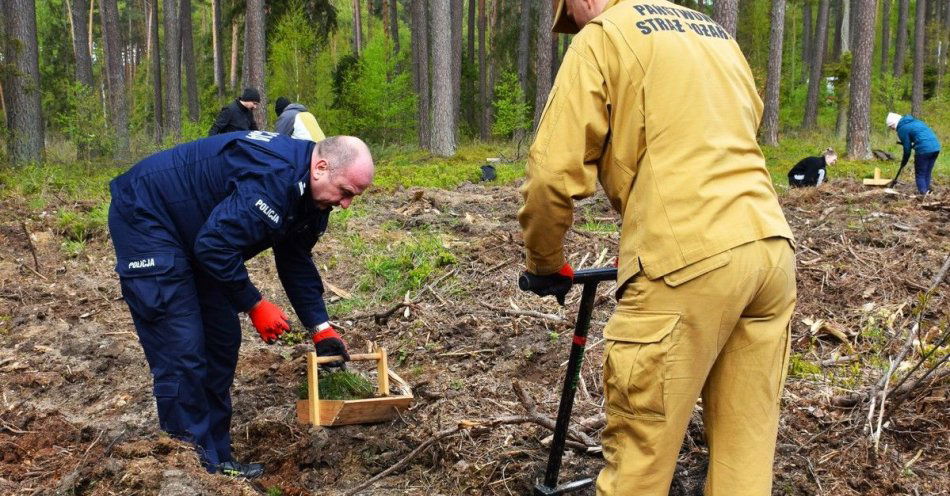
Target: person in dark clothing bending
<point x="810" y="171"/>
<point x="238" y="115"/>
<point x="183" y="222"/>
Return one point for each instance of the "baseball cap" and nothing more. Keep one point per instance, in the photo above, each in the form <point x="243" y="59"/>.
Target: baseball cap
<point x="562" y="22"/>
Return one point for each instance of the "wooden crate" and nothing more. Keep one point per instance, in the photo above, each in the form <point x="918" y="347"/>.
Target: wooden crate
<point x="345" y="412"/>
<point x="878" y="180"/>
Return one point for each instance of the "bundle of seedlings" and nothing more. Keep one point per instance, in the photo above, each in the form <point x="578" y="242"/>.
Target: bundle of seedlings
<point x="341" y="385"/>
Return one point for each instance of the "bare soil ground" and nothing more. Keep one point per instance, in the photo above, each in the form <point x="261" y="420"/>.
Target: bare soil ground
<point x="77" y="417"/>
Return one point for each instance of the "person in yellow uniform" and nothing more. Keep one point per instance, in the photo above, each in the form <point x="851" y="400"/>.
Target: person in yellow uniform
<point x="657" y="102"/>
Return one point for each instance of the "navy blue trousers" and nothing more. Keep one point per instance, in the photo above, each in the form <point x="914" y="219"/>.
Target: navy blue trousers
<point x="923" y="170"/>
<point x="189" y="331"/>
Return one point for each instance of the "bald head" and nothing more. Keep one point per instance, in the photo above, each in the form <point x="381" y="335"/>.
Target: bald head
<point x="345" y="152"/>
<point x="341" y="168"/>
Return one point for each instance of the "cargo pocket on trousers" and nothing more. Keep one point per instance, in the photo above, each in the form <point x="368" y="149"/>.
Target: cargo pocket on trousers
<point x="635" y="363"/>
<point x="142" y="288"/>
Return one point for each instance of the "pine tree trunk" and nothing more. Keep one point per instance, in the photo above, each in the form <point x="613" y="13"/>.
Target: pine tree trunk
<point x="942" y="59"/>
<point x="773" y="83"/>
<point x="807" y="37"/>
<point x="836" y="37"/>
<point x="885" y="34"/>
<point x="217" y="53"/>
<point x="357" y="29"/>
<point x="542" y="61"/>
<point x="472" y="14"/>
<point x="845" y="26"/>
<point x="917" y="93"/>
<point x="900" y="44"/>
<point x="235" y="43"/>
<point x="21" y="82"/>
<point x="443" y="108"/>
<point x="90" y="24"/>
<point x="172" y="128"/>
<point x="524" y="43"/>
<point x="457" y="11"/>
<point x="420" y="69"/>
<point x="80" y="32"/>
<point x="256" y="56"/>
<point x="115" y="75"/>
<point x="188" y="60"/>
<point x="725" y="12"/>
<point x="155" y="63"/>
<point x="484" y="129"/>
<point x="817" y="62"/>
<point x="491" y="66"/>
<point x="394" y="23"/>
<point x="859" y="115"/>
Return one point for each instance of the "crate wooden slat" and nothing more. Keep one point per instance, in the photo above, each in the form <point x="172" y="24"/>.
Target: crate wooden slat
<point x="878" y="180"/>
<point x="316" y="411"/>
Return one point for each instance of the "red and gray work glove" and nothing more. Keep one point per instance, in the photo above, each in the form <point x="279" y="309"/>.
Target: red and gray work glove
<point x="557" y="284"/>
<point x="329" y="343"/>
<point x="269" y="320"/>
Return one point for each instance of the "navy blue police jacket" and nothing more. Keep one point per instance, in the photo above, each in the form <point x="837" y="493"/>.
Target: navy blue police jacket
<point x="223" y="200"/>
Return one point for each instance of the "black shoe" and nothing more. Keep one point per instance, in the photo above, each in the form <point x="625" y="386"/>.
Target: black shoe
<point x="238" y="469"/>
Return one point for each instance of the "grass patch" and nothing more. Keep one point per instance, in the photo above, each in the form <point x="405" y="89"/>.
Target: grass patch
<point x="802" y="368"/>
<point x="411" y="167"/>
<point x="72" y="181"/>
<point x="394" y="268"/>
<point x="77" y="225"/>
<point x="340" y="217"/>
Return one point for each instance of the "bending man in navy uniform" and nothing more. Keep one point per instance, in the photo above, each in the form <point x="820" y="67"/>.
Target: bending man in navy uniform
<point x="183" y="221"/>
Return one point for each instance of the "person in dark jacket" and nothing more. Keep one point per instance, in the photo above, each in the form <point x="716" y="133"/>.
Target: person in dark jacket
<point x="238" y="115"/>
<point x="914" y="134"/>
<point x="810" y="171"/>
<point x="294" y="120"/>
<point x="183" y="222"/>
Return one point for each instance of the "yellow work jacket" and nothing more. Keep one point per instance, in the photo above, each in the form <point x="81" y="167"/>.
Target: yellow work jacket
<point x="658" y="103"/>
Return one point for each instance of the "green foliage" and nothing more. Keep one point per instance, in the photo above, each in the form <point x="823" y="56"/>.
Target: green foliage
<point x="393" y="269"/>
<point x="409" y="166"/>
<point x="511" y="110"/>
<point x="290" y="64"/>
<point x="274" y="491"/>
<point x="377" y="101"/>
<point x="888" y="89"/>
<point x="340" y="217"/>
<point x="81" y="181"/>
<point x="591" y="224"/>
<point x="802" y="368"/>
<point x="73" y="248"/>
<point x="76" y="225"/>
<point x="83" y="121"/>
<point x="841" y="72"/>
<point x="340" y="385"/>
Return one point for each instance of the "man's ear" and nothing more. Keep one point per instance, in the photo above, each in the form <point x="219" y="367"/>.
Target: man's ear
<point x="320" y="165"/>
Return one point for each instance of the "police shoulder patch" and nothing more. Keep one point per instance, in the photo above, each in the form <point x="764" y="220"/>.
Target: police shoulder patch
<point x="265" y="209"/>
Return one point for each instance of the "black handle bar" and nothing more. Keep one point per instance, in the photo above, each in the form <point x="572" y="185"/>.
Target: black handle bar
<point x="527" y="281"/>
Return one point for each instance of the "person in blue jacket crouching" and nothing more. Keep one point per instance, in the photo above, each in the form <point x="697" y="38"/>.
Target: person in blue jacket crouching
<point x="183" y="222"/>
<point x="915" y="134"/>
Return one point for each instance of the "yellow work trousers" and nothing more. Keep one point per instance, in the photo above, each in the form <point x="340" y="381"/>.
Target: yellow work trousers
<point x="719" y="328"/>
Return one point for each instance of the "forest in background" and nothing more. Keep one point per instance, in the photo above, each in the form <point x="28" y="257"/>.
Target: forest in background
<point x="425" y="263"/>
<point x="121" y="78"/>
